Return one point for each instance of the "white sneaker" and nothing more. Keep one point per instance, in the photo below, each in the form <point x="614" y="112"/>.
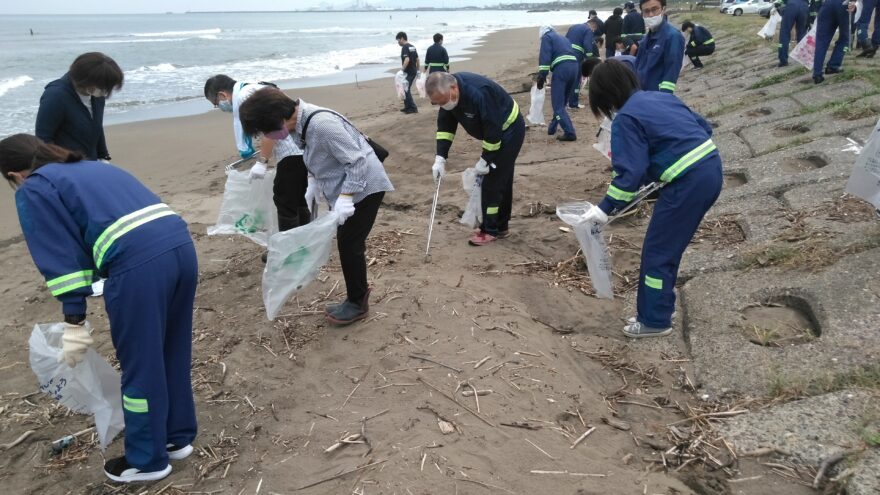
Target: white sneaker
<point x="121" y="471"/>
<point x="637" y="331"/>
<point x="176" y="453"/>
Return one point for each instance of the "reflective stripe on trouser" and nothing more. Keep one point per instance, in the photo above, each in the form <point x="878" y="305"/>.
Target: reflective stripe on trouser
<point x="150" y="308"/>
<point x="574" y="97"/>
<point x="831" y="18"/>
<point x="565" y="77"/>
<point x="794" y="16"/>
<point x="677" y="214"/>
<point x="124" y="225"/>
<point x="496" y="192"/>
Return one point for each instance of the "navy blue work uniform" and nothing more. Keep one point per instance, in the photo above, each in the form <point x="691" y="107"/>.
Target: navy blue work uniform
<point x="657" y="137"/>
<point x="701" y="43"/>
<point x="833" y="16"/>
<point x="633" y="25"/>
<point x="88" y="219"/>
<point x="436" y="59"/>
<point x="658" y="61"/>
<point x="487" y="112"/>
<point x="64" y="119"/>
<point x="794" y="14"/>
<point x="869" y="8"/>
<point x="411" y="70"/>
<point x="581" y="38"/>
<point x="558" y="56"/>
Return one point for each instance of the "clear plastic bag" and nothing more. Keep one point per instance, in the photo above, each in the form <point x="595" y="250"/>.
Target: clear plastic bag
<point x="247" y="208"/>
<point x="420" y="85"/>
<point x="295" y="258"/>
<point x="589" y="235"/>
<point x="472" y="184"/>
<point x="92" y="387"/>
<point x="769" y="30"/>
<point x="603" y="139"/>
<point x="400" y="84"/>
<point x="806" y="48"/>
<point x="536" y="108"/>
<point x="865" y="179"/>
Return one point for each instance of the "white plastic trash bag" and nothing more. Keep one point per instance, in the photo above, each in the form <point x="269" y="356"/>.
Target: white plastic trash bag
<point x="247" y="208"/>
<point x="589" y="235"/>
<point x="536" y="109"/>
<point x="603" y="139"/>
<point x="400" y="84"/>
<point x="865" y="179"/>
<point x="295" y="258"/>
<point x="420" y="86"/>
<point x="769" y="30"/>
<point x="806" y="48"/>
<point x="92" y="387"/>
<point x="473" y="185"/>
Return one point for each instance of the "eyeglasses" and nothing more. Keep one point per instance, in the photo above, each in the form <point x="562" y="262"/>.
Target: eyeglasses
<point x="652" y="12"/>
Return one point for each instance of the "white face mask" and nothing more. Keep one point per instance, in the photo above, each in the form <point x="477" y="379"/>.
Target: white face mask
<point x="449" y="105"/>
<point x="653" y="23"/>
<point x="99" y="93"/>
<point x="617" y="53"/>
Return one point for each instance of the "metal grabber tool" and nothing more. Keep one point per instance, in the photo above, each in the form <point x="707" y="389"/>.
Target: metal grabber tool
<point x="642" y="193"/>
<point x="433" y="213"/>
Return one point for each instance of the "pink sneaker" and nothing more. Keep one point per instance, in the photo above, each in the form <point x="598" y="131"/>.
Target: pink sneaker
<point x="481" y="239"/>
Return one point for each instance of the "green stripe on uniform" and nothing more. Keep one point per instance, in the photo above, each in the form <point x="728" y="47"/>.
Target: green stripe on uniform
<point x="139" y="406"/>
<point x="654" y="283"/>
<point x="543" y="67"/>
<point x="491" y="146"/>
<point x="619" y="194"/>
<point x="710" y="40"/>
<point x="492" y="210"/>
<point x="667" y="85"/>
<point x="126" y="224"/>
<point x="687" y="160"/>
<point x="69" y="282"/>
<point x="448" y="136"/>
<point x="578" y="47"/>
<point x="514" y="113"/>
<point x="562" y="58"/>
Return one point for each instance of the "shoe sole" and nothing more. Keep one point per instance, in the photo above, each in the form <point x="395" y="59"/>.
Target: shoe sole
<point x="151" y="476"/>
<point x="472" y="243"/>
<point x="345" y="322"/>
<point x="181" y="453"/>
<point x="646" y="335"/>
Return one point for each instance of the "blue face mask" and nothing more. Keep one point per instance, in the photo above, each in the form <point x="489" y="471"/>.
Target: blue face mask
<point x="224" y="105"/>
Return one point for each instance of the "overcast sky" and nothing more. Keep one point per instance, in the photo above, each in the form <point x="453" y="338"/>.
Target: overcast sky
<point x="161" y="6"/>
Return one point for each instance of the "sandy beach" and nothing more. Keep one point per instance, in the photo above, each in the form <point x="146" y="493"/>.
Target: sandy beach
<point x="272" y="396"/>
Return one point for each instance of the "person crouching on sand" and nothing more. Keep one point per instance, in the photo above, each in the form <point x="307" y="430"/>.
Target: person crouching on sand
<point x="349" y="174"/>
<point x="83" y="219"/>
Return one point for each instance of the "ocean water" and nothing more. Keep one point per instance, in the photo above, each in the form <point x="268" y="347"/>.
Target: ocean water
<point x="168" y="57"/>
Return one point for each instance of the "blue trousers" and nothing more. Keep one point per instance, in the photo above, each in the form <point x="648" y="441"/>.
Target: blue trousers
<point x="677" y="214"/>
<point x="574" y="99"/>
<point x="150" y="309"/>
<point x="870" y="7"/>
<point x="408" y="102"/>
<point x="496" y="191"/>
<point x="832" y="17"/>
<point x="795" y="15"/>
<point x="565" y="77"/>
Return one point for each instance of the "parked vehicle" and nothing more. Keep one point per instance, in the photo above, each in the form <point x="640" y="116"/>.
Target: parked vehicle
<point x="746" y="7"/>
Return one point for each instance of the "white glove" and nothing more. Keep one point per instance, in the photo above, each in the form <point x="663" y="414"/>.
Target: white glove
<point x="74" y="344"/>
<point x="439" y="168"/>
<point x="344" y="207"/>
<point x="481" y="168"/>
<point x="595" y="214"/>
<point x="258" y="171"/>
<point x="311" y="192"/>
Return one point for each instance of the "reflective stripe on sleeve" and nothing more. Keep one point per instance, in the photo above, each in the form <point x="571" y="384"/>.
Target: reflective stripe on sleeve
<point x="578" y="47"/>
<point x="619" y="194"/>
<point x="69" y="282"/>
<point x="667" y="85"/>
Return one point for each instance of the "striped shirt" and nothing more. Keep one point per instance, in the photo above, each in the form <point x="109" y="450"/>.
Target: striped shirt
<point x="338" y="156"/>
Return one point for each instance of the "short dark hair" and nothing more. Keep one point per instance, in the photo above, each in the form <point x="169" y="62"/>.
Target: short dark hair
<point x="593" y="12"/>
<point x="438" y="38"/>
<point x="96" y="70"/>
<point x="611" y="85"/>
<point x="401" y="36"/>
<point x="642" y="2"/>
<point x="687" y="25"/>
<point x="589" y="64"/>
<point x="618" y="10"/>
<point x="216" y="84"/>
<point x="265" y="111"/>
<point x="21" y="152"/>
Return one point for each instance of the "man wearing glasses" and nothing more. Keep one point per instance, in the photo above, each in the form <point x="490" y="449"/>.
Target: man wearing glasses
<point x="661" y="51"/>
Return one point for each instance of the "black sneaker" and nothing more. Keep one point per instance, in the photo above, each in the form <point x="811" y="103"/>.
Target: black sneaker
<point x="782" y="64"/>
<point x="120" y="471"/>
<point x="176" y="453"/>
<point x="566" y="137"/>
<point x="818" y="79"/>
<point x="411" y="110"/>
<point x="831" y="70"/>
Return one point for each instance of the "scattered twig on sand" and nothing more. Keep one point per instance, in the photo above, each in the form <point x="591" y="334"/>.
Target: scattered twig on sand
<point x="340" y="475"/>
<point x="21" y="438"/>
<point x="582" y="437"/>
<point x="326" y="416"/>
<point x="484" y="485"/>
<point x="453" y="368"/>
<point x="347" y="440"/>
<point x="525" y="426"/>
<point x="829" y="463"/>
<point x="466" y="408"/>
<point x="482" y="361"/>
<point x="762" y="451"/>
<point x="588" y="475"/>
<point x="720" y="414"/>
<point x="540" y="449"/>
<point x="349" y="396"/>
